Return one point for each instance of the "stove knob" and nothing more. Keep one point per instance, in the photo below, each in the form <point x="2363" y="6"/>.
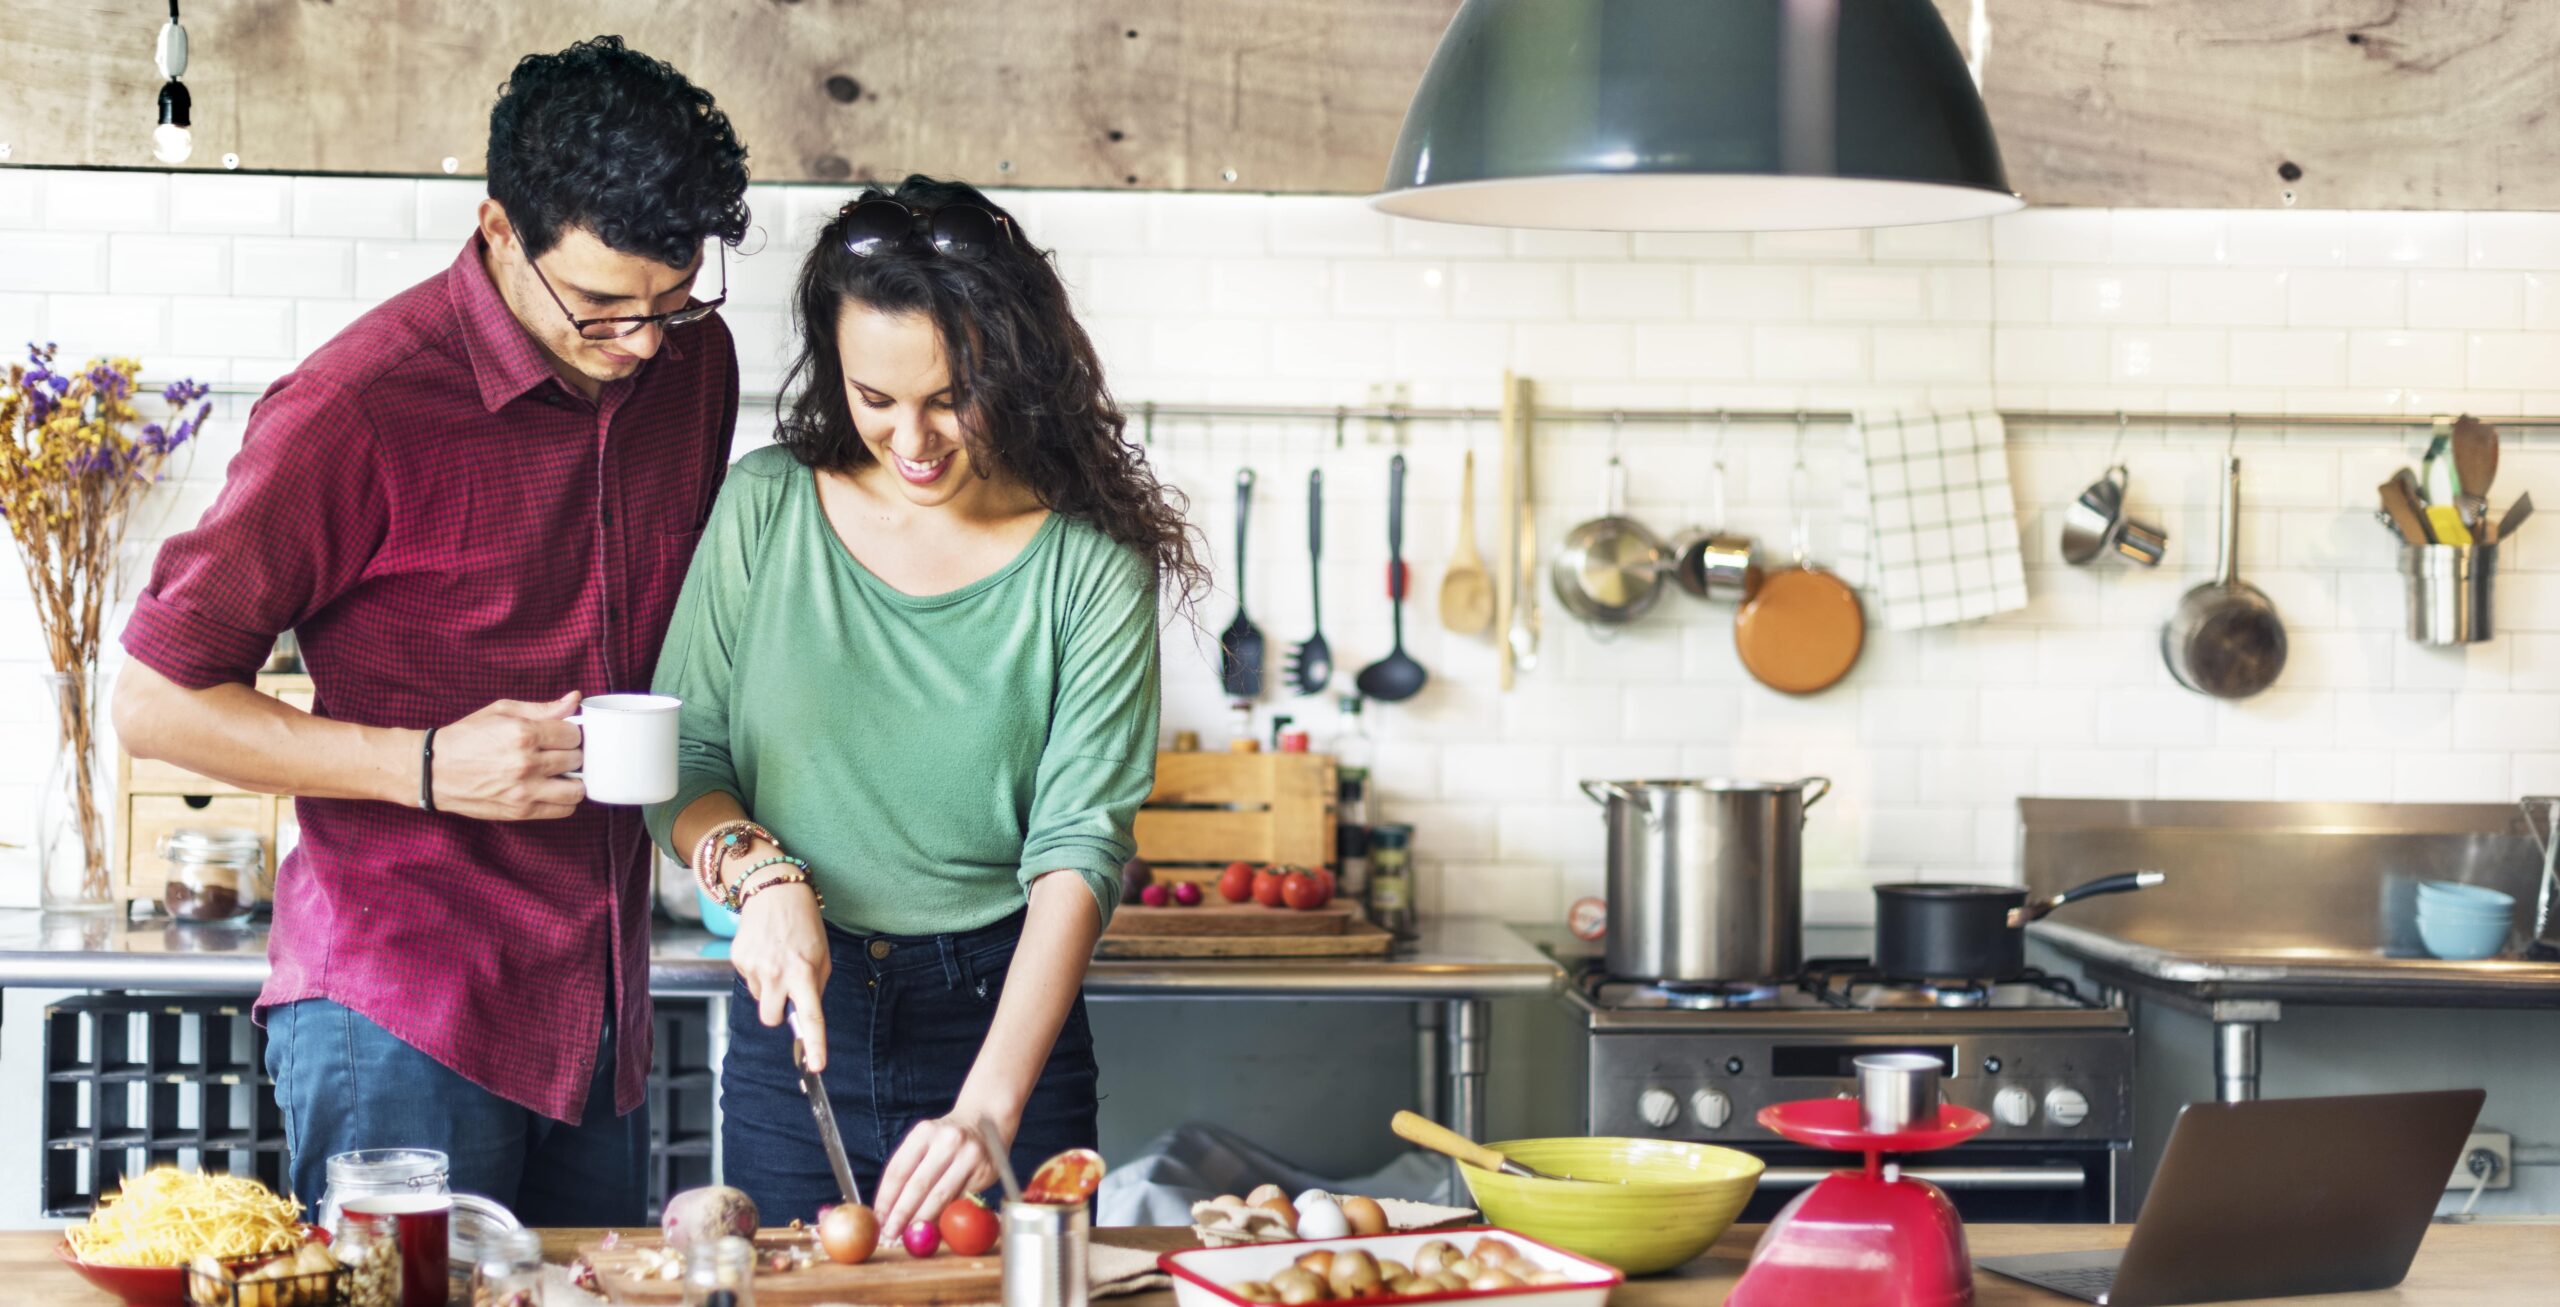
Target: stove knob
<point x="2067" y="1107"/>
<point x="1711" y="1108"/>
<point x="2014" y="1106"/>
<point x="1658" y="1108"/>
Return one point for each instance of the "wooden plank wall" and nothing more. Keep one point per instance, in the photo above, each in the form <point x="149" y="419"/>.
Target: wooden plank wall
<point x="2372" y="103"/>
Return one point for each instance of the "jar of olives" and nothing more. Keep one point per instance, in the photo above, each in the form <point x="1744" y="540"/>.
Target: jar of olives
<point x="215" y="873"/>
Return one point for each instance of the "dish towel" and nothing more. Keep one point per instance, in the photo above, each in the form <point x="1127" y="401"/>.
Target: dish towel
<point x="1932" y="529"/>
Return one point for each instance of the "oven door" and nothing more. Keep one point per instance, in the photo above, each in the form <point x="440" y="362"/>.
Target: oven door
<point x="2041" y="1185"/>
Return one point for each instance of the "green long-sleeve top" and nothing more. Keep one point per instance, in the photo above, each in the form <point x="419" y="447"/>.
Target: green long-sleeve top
<point x="929" y="755"/>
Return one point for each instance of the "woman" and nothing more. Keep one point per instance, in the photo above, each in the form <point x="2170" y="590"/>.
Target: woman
<point x="917" y="650"/>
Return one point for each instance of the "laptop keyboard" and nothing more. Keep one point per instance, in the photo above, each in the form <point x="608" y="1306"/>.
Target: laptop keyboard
<point x="2090" y="1282"/>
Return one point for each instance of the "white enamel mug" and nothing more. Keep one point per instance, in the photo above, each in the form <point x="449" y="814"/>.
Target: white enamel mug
<point x="630" y="743"/>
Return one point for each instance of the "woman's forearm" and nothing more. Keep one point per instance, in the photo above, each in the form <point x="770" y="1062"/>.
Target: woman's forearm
<point x="1047" y="973"/>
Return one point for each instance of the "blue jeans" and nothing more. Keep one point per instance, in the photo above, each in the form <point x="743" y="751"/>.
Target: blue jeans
<point x="345" y="1083"/>
<point x="905" y="1018"/>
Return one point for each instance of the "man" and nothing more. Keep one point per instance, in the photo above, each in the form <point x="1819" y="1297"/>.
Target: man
<point x="474" y="505"/>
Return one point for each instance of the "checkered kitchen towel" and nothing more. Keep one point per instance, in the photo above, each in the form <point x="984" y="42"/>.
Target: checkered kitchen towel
<point x="1940" y="537"/>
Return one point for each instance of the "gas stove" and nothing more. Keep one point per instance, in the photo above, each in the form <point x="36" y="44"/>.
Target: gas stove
<point x="2050" y="1063"/>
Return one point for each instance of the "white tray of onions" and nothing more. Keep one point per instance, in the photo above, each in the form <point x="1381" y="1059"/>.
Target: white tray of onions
<point x="1391" y="1269"/>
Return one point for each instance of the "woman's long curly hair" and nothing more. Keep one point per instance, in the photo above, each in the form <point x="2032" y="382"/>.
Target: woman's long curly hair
<point x="1026" y="383"/>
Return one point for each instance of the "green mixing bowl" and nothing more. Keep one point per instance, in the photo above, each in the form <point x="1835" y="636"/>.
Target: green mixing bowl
<point x="1660" y="1204"/>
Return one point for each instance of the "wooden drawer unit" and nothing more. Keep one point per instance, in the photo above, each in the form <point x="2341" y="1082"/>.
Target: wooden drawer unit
<point x="1210" y="809"/>
<point x="154" y="798"/>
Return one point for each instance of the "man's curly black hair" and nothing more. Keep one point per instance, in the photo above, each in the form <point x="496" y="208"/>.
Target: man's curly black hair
<point x="606" y="138"/>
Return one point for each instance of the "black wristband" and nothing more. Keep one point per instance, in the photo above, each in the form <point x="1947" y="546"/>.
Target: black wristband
<point x="427" y="772"/>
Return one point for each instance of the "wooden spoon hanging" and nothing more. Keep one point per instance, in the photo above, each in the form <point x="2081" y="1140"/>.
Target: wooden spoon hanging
<point x="1466" y="592"/>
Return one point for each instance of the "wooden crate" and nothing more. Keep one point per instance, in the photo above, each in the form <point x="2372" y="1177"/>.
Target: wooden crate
<point x="1210" y="809"/>
<point x="154" y="798"/>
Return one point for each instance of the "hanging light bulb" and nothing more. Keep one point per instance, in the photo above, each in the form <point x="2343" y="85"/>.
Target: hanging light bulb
<point x="173" y="140"/>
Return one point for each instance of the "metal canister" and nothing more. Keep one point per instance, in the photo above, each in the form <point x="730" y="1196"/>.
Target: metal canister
<point x="1044" y="1248"/>
<point x="2449" y="590"/>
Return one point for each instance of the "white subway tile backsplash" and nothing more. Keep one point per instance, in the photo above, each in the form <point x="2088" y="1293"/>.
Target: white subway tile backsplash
<point x="2052" y="236"/>
<point x="2181" y="236"/>
<point x="1522" y="291"/>
<point x="2347" y="297"/>
<point x="2233" y="297"/>
<point x="2288" y="238"/>
<point x="2525" y="360"/>
<point x="2514" y="240"/>
<point x="2109" y="295"/>
<point x="168" y="265"/>
<point x="103" y="326"/>
<point x="2163" y="357"/>
<point x="1619" y="291"/>
<point x="2407" y="239"/>
<point x="231" y="325"/>
<point x="2405" y="358"/>
<point x="1390" y="290"/>
<point x="1809" y="354"/>
<point x="1319" y="299"/>
<point x="378" y="207"/>
<point x="1869" y="294"/>
<point x="21" y="322"/>
<point x="2289" y="358"/>
<point x="83" y="201"/>
<point x="1842" y="244"/>
<point x="2477" y="301"/>
<point x="1756" y="293"/>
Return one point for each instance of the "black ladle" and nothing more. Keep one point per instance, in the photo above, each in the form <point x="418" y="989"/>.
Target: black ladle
<point x="1396" y="677"/>
<point x="1310" y="665"/>
<point x="1240" y="647"/>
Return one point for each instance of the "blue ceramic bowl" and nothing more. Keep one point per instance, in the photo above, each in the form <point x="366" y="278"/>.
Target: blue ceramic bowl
<point x="2464" y="938"/>
<point x="716" y="917"/>
<point x="2454" y="893"/>
<point x="2464" y="912"/>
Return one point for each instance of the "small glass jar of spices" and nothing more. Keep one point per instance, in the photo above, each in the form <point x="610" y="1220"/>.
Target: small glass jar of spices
<point x="510" y="1271"/>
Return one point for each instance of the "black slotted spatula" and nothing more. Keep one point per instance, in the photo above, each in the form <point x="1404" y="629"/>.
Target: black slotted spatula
<point x="1240" y="647"/>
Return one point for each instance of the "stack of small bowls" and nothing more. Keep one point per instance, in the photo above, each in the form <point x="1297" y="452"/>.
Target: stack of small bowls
<point x="2462" y="922"/>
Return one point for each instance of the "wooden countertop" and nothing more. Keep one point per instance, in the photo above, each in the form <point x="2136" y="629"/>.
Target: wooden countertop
<point x="2457" y="1266"/>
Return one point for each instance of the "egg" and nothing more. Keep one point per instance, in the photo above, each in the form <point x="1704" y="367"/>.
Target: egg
<point x="1365" y="1214"/>
<point x="1301" y="1199"/>
<point x="1320" y="1217"/>
<point x="1280" y="1207"/>
<point x="1263" y="1193"/>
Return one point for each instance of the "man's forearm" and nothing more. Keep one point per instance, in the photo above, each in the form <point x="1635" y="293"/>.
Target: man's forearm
<point x="258" y="742"/>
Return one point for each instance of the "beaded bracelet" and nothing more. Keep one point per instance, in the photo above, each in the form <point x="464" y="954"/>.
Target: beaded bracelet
<point x="718" y="846"/>
<point x="731" y="894"/>
<point x="746" y="891"/>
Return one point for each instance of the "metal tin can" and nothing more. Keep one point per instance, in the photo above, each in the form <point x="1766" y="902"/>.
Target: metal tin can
<point x="1044" y="1255"/>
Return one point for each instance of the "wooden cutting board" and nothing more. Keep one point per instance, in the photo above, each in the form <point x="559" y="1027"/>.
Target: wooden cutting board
<point x="1355" y="939"/>
<point x="891" y="1278"/>
<point x="1234" y="919"/>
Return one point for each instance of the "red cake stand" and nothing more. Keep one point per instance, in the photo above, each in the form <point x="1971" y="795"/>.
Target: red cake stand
<point x="1871" y="1238"/>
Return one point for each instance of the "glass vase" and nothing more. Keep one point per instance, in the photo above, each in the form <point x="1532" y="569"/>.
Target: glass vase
<point x="71" y="826"/>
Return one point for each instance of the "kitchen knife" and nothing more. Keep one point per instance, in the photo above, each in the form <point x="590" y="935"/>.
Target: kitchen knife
<point x="825" y="1112"/>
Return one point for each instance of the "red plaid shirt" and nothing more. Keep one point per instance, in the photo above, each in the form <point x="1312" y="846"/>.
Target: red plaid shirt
<point x="445" y="523"/>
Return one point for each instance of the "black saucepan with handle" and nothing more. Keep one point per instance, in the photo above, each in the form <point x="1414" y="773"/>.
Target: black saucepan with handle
<point x="1971" y="932"/>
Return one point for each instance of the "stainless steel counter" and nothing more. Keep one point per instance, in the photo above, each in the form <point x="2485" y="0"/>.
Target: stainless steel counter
<point x="1449" y="974"/>
<point x="2273" y="903"/>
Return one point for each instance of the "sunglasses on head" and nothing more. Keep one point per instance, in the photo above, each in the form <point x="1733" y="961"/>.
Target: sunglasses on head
<point x="962" y="229"/>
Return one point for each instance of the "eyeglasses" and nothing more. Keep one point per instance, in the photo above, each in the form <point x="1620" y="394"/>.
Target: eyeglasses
<point x="961" y="229"/>
<point x="617" y="328"/>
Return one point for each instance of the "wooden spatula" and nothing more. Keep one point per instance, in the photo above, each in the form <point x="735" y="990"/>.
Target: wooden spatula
<point x="1427" y="1133"/>
<point x="2475" y="464"/>
<point x="2400" y="508"/>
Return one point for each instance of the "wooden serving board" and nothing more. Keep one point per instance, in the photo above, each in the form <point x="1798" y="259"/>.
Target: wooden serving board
<point x="1356" y="939"/>
<point x="1234" y="919"/>
<point x="890" y="1277"/>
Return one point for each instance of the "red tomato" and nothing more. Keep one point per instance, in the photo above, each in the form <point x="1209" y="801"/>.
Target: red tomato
<point x="968" y="1228"/>
<point x="1268" y="888"/>
<point x="1305" y="893"/>
<point x="1236" y="886"/>
<point x="1331" y="891"/>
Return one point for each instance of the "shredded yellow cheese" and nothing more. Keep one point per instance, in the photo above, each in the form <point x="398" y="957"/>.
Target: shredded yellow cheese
<point x="166" y="1216"/>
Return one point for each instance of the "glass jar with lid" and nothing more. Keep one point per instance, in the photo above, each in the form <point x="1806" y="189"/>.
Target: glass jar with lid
<point x="510" y="1271"/>
<point x="215" y="873"/>
<point x="720" y="1274"/>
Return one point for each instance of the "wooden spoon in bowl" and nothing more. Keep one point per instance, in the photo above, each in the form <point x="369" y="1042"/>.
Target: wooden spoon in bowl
<point x="1421" y="1130"/>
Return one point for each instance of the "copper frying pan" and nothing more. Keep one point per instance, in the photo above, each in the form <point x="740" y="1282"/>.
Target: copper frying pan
<point x="1801" y="632"/>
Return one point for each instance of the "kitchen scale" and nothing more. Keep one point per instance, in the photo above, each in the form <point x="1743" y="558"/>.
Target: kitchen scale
<point x="1868" y="1238"/>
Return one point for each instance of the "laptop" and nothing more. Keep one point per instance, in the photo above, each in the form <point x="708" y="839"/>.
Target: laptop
<point x="2276" y="1198"/>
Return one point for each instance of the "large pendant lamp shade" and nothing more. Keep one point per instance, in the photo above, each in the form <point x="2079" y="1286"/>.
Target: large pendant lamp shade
<point x="1696" y="115"/>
